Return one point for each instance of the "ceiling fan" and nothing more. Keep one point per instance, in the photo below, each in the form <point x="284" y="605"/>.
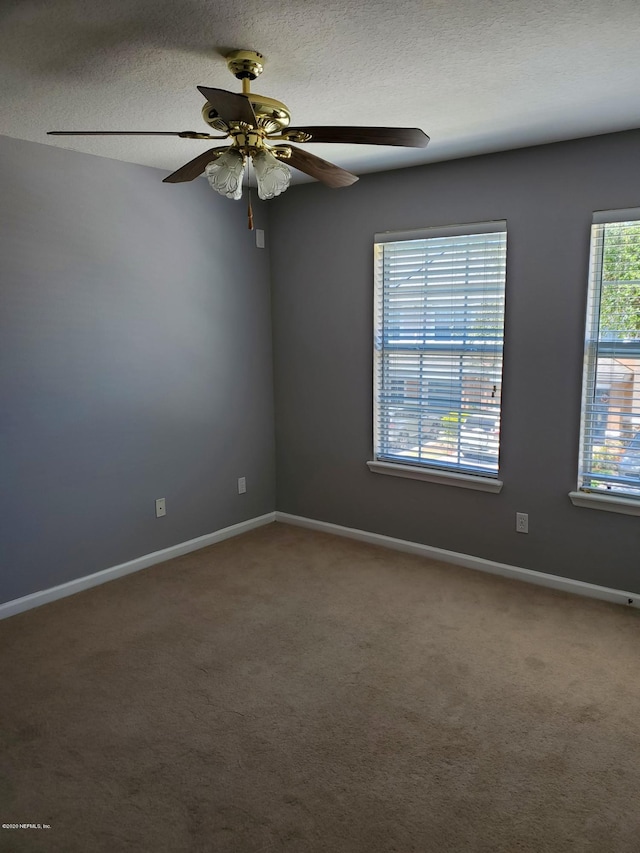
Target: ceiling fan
<point x="254" y="123"/>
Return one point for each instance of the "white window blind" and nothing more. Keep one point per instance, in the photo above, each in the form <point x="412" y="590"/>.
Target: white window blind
<point x="610" y="441"/>
<point x="439" y="317"/>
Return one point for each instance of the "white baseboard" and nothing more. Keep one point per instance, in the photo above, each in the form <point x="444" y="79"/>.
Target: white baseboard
<point x="617" y="596"/>
<point x="27" y="602"/>
<point x="36" y="599"/>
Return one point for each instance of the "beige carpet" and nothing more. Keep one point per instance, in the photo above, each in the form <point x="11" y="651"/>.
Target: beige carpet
<point x="292" y="691"/>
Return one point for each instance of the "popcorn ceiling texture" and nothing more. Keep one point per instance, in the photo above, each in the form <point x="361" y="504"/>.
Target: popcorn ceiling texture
<point x="477" y="77"/>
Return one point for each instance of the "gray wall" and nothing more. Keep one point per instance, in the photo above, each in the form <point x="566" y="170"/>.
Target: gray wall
<point x="135" y="358"/>
<point x="322" y="281"/>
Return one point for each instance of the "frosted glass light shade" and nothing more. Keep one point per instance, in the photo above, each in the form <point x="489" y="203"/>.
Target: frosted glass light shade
<point x="272" y="175"/>
<point x="225" y="174"/>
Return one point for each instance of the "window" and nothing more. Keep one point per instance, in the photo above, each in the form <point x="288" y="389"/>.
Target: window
<point x="610" y="429"/>
<point x="439" y="316"/>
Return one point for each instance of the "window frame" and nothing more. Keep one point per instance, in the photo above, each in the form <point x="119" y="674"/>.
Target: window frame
<point x="587" y="493"/>
<point x="450" y="474"/>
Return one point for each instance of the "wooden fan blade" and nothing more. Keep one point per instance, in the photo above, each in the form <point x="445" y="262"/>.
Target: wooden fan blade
<point x="230" y="106"/>
<point x="321" y="170"/>
<point x="184" y="134"/>
<point x="190" y="170"/>
<point x="410" y="137"/>
<point x="112" y="133"/>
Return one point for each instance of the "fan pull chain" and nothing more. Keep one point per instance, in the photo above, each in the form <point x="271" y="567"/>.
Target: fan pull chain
<point x="249" y="209"/>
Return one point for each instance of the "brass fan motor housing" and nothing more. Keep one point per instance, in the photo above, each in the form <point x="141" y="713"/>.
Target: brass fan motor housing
<point x="273" y="116"/>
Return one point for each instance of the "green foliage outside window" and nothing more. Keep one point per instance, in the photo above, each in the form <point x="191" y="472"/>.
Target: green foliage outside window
<point x="450" y="423"/>
<point x="605" y="458"/>
<point x="620" y="299"/>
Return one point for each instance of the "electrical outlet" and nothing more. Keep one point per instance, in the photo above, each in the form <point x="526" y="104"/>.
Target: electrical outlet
<point x="260" y="238"/>
<point x="161" y="508"/>
<point x="522" y="522"/>
<point x="242" y="485"/>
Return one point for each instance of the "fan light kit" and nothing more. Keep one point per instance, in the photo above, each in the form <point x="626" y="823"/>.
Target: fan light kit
<point x="254" y="123"/>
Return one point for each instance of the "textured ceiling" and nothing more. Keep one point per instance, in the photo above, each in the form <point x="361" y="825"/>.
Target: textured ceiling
<point x="476" y="75"/>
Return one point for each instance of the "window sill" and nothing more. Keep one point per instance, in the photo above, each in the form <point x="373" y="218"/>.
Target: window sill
<point x="432" y="475"/>
<point x="626" y="506"/>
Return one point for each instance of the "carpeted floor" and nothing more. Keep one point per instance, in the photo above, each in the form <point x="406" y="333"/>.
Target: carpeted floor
<point x="292" y="691"/>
